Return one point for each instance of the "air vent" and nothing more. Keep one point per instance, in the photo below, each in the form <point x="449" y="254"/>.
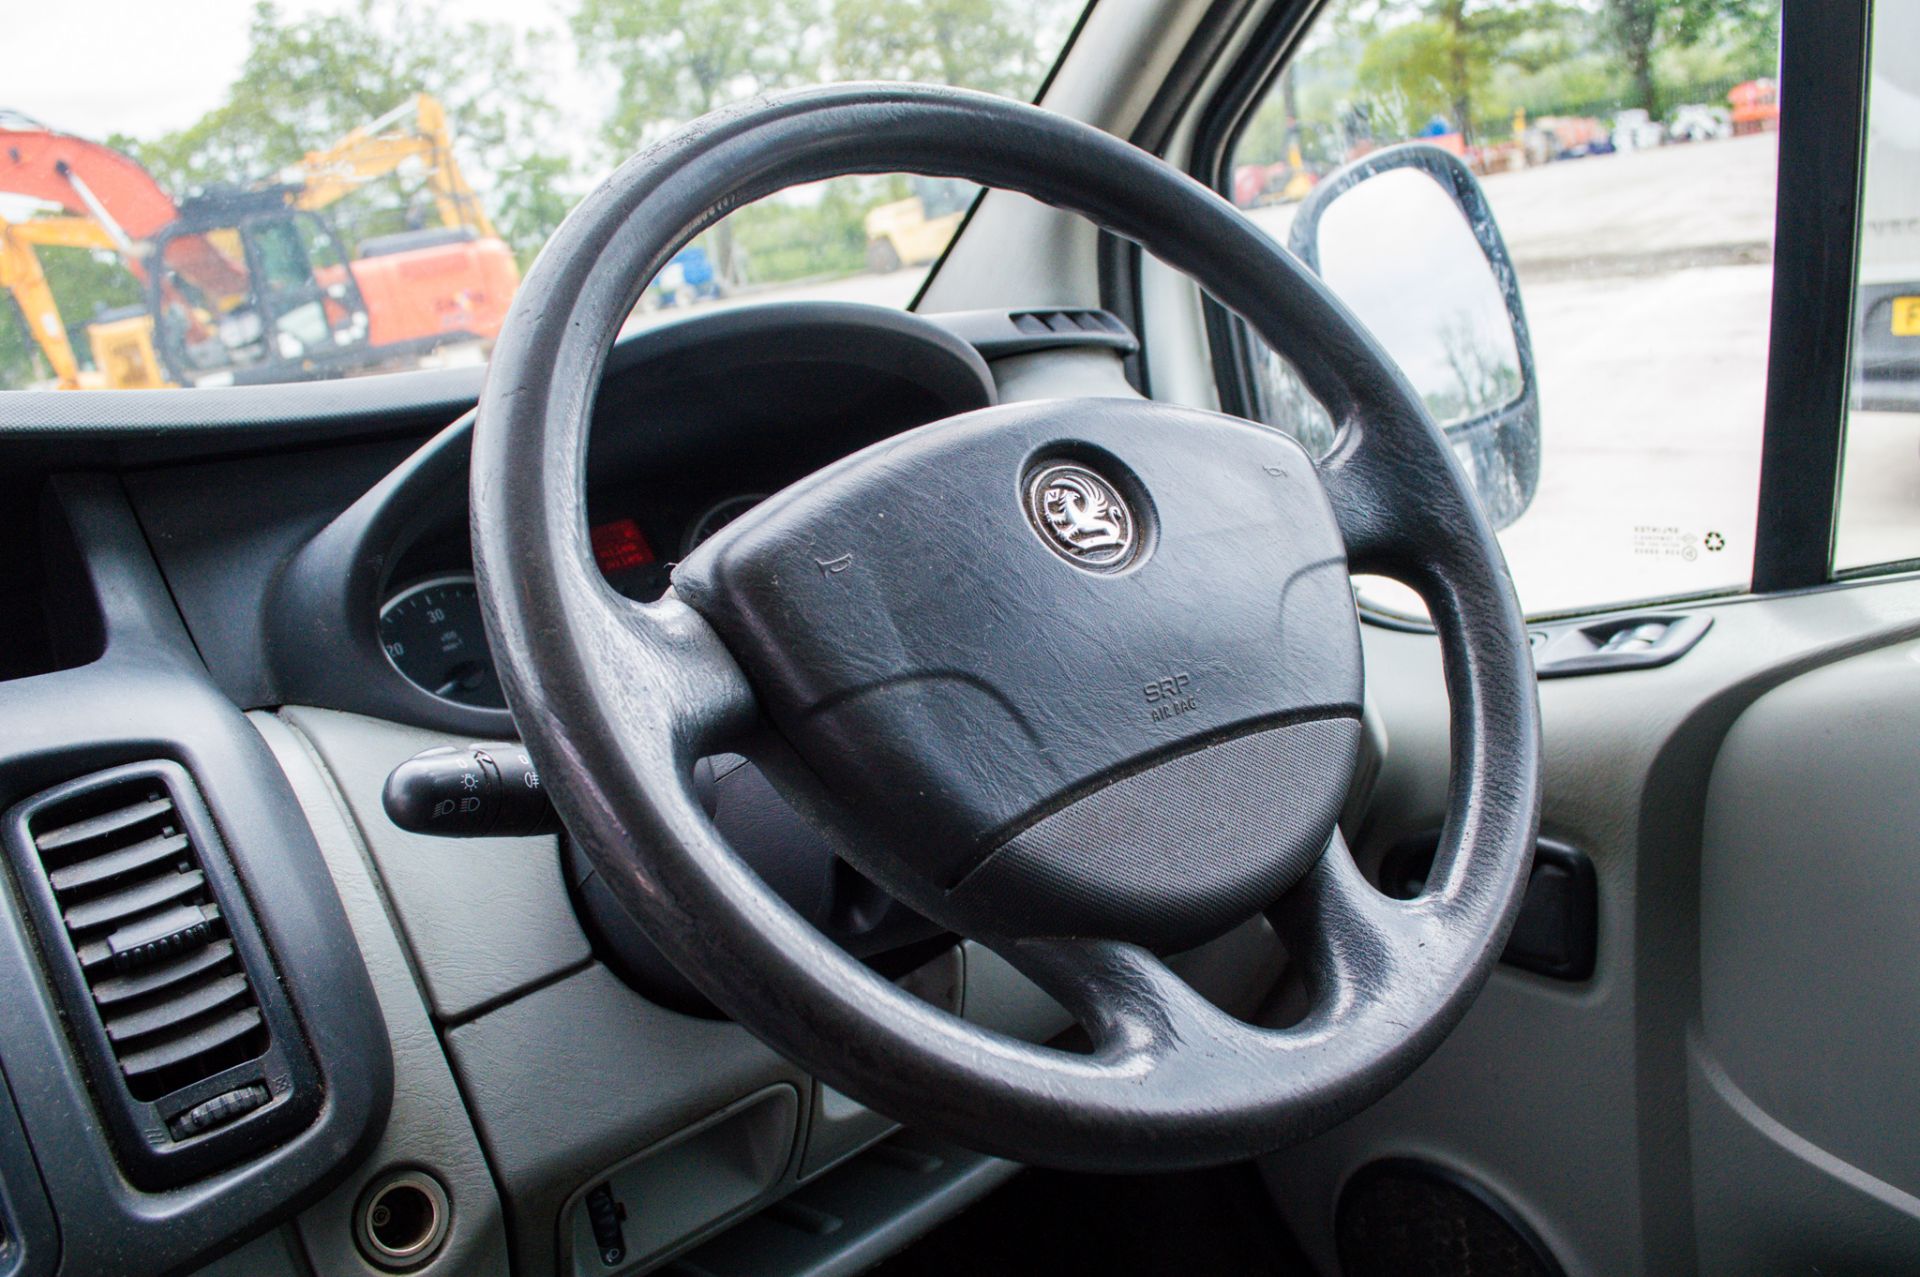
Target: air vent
<point x="1040" y="323"/>
<point x="997" y="334"/>
<point x="152" y="945"/>
<point x="165" y="983"/>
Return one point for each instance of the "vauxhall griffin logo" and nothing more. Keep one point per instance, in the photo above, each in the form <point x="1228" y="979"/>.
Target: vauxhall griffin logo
<point x="1081" y="517"/>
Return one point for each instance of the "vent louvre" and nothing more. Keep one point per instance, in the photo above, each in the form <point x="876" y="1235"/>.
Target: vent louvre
<point x="133" y="897"/>
<point x="1067" y="322"/>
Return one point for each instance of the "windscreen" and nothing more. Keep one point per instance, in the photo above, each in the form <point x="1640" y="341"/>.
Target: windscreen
<point x="288" y="190"/>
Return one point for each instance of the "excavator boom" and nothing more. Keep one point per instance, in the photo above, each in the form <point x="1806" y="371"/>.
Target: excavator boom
<point x="94" y="181"/>
<point x="126" y="344"/>
<point x="21" y="276"/>
<point x="415" y="130"/>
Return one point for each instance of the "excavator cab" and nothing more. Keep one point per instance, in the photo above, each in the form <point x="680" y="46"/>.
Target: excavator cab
<point x="289" y="309"/>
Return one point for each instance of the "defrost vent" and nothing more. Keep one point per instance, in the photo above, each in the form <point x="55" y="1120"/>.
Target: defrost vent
<point x="167" y="985"/>
<point x="1070" y="323"/>
<point x="997" y="334"/>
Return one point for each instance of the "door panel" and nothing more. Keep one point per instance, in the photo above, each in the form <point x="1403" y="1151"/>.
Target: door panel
<point x="1809" y="984"/>
<point x="1572" y="1102"/>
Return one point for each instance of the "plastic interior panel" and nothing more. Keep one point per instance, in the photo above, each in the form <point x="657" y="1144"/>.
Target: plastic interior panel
<point x="1565" y="1098"/>
<point x="29" y="1244"/>
<point x="853" y="1216"/>
<point x="429" y="1127"/>
<point x="487" y="917"/>
<point x="1810" y="997"/>
<point x="671" y="1193"/>
<point x="147" y="696"/>
<point x="1636" y="641"/>
<point x="583" y="1073"/>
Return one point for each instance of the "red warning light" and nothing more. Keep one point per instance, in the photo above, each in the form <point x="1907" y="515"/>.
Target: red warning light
<point x="620" y="545"/>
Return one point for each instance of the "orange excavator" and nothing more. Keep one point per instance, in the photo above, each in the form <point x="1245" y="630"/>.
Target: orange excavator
<point x="255" y="285"/>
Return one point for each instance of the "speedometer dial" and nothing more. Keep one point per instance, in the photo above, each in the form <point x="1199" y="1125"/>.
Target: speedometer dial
<point x="434" y="636"/>
<point x="719" y="515"/>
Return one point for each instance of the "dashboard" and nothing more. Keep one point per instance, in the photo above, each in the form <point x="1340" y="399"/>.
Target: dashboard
<point x="364" y="567"/>
<point x="255" y="604"/>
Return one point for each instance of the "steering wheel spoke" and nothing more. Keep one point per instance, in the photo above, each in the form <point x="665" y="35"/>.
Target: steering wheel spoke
<point x="707" y="706"/>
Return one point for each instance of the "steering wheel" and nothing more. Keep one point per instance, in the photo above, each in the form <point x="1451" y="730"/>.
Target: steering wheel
<point x="1079" y="679"/>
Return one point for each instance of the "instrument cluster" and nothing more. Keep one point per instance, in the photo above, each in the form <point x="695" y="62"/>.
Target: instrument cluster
<point x="433" y="633"/>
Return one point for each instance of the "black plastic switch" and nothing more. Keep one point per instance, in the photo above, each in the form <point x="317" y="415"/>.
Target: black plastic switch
<point x="485" y="791"/>
<point x="219" y="1110"/>
<point x="605" y="1215"/>
<point x="1557" y="931"/>
<point x="470" y="791"/>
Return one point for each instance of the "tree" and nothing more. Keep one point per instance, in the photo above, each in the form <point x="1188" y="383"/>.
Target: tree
<point x="1639" y="28"/>
<point x="992" y="45"/>
<point x="675" y="60"/>
<point x="307" y="82"/>
<point x="1633" y="26"/>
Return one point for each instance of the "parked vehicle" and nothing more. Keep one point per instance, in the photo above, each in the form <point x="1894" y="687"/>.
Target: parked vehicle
<point x="1636" y="130"/>
<point x="687" y="278"/>
<point x="1886" y="342"/>
<point x="1756" y="106"/>
<point x="915" y="230"/>
<point x="1699" y="122"/>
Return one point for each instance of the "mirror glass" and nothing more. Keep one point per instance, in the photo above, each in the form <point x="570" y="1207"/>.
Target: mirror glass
<point x="1398" y="251"/>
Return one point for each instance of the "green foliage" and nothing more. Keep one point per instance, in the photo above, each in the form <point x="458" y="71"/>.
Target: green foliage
<point x="20" y="362"/>
<point x="992" y="45"/>
<point x="1398" y="63"/>
<point x="1746" y="33"/>
<point x="782" y="240"/>
<point x="670" y="61"/>
<point x="674" y="60"/>
<point x="1404" y="77"/>
<point x="85" y="282"/>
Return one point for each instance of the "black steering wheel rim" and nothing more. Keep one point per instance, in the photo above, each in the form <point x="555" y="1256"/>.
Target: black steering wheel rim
<point x="617" y="700"/>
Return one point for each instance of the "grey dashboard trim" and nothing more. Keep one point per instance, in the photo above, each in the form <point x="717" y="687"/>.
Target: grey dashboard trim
<point x="147" y="697"/>
<point x="487" y="918"/>
<point x="429" y="1126"/>
<point x="140" y="427"/>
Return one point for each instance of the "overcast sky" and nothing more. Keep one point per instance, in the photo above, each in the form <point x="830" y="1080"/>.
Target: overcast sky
<point x="94" y="67"/>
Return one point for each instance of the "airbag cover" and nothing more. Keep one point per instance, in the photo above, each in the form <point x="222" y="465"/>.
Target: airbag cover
<point x="951" y="679"/>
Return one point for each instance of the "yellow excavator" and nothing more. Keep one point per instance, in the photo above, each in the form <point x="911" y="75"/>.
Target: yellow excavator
<point x="404" y="294"/>
<point x="381" y="147"/>
<point x="123" y="354"/>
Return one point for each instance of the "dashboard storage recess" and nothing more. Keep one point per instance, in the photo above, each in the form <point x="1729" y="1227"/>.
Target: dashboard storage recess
<point x="167" y="987"/>
<point x="657" y="1200"/>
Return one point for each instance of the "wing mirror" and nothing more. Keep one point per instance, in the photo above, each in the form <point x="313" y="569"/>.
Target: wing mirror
<point x="1404" y="237"/>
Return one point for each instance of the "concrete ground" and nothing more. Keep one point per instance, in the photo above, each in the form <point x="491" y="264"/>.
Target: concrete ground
<point x="1647" y="280"/>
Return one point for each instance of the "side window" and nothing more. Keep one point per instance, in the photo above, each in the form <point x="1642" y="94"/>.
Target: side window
<point x="1879" y="516"/>
<point x="1625" y="151"/>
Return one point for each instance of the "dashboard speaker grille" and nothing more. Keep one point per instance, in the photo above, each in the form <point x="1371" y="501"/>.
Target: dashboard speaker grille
<point x="1403" y="1218"/>
<point x="152" y="945"/>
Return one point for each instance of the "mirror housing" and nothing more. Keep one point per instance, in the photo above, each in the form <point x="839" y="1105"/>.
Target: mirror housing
<point x="1496" y="435"/>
